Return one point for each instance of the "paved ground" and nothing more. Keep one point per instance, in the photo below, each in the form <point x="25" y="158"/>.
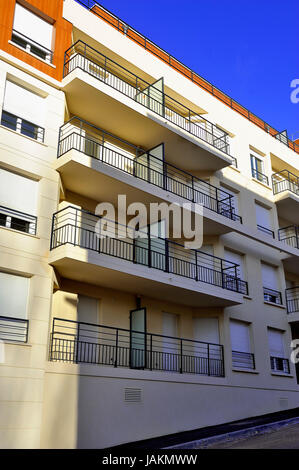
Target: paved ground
<point x="285" y="438"/>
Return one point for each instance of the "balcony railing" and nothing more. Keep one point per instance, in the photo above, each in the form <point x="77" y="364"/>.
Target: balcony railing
<point x="273" y="296"/>
<point x="32" y="46"/>
<point x="17" y="220"/>
<point x="259" y="176"/>
<point x="89" y="343"/>
<point x="285" y="181"/>
<point x="292" y="299"/>
<point x="84" y="229"/>
<point x="22" y="126"/>
<point x="280" y="364"/>
<point x="81" y="55"/>
<point x="289" y="235"/>
<point x="92" y="141"/>
<point x="14" y="329"/>
<point x="134" y="35"/>
<point x="243" y="360"/>
<point x="266" y="230"/>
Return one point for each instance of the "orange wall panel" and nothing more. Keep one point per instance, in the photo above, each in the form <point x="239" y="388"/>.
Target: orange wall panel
<point x="62" y="34"/>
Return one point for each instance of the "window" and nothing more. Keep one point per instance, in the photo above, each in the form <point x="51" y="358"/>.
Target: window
<point x="242" y="356"/>
<point x="264" y="220"/>
<point x="13" y="310"/>
<point x="32" y="33"/>
<point x="270" y="284"/>
<point x="257" y="170"/>
<point x="236" y="258"/>
<point x="18" y="196"/>
<point x="277" y="351"/>
<point x="23" y="111"/>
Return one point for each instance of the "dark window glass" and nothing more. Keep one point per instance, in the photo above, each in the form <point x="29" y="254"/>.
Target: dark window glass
<point x="9" y="120"/>
<point x="19" y="224"/>
<point x="3" y="220"/>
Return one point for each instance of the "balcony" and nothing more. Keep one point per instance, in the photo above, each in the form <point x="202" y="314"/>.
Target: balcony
<point x="87" y="343"/>
<point x="272" y="296"/>
<point x="243" y="360"/>
<point x="289" y="235"/>
<point x="286" y="191"/>
<point x="154" y="266"/>
<point x="109" y="153"/>
<point x="292" y="299"/>
<point x="14" y="329"/>
<point x="17" y="220"/>
<point x="153" y="115"/>
<point x="266" y="230"/>
<point x="280" y="364"/>
<point x="22" y="126"/>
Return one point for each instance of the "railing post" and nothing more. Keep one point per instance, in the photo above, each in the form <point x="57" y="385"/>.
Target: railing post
<point x="52" y="233"/>
<point x="77" y="344"/>
<point x="196" y="265"/>
<point x="181" y="356"/>
<point x="222" y="273"/>
<point x="166" y="256"/>
<point x="149" y="259"/>
<point x="192" y="183"/>
<point x="209" y="371"/>
<point x="75" y="231"/>
<point x="217" y="200"/>
<point x="151" y="352"/>
<point x="116" y="349"/>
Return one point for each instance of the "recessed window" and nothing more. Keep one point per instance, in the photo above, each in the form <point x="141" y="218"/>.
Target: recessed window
<point x="271" y="284"/>
<point x="264" y="220"/>
<point x="23" y="111"/>
<point x="18" y="196"/>
<point x="32" y="33"/>
<point x="242" y="356"/>
<point x="13" y="307"/>
<point x="258" y="170"/>
<point x="278" y="361"/>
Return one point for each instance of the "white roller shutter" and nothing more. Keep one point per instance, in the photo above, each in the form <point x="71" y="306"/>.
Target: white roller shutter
<point x="18" y="192"/>
<point x="240" y="336"/>
<point x="269" y="276"/>
<point x="276" y="343"/>
<point x="237" y="259"/>
<point x="13" y="295"/>
<point x="32" y="26"/>
<point x="206" y="330"/>
<point x="24" y="104"/>
<point x="263" y="216"/>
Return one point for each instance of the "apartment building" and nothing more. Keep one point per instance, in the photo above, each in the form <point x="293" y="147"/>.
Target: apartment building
<point x="112" y="340"/>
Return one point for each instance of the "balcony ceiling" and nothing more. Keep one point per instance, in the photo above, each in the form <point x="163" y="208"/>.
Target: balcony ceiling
<point x="100" y="104"/>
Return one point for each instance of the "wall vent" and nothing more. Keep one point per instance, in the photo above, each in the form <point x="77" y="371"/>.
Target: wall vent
<point x="283" y="402"/>
<point x="133" y="395"/>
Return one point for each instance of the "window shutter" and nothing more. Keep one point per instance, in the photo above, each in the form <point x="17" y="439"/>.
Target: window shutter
<point x="240" y="336"/>
<point x="24" y="103"/>
<point x="276" y="343"/>
<point x="13" y="295"/>
<point x="206" y="330"/>
<point x="18" y="192"/>
<point x="269" y="276"/>
<point x="33" y="27"/>
<point x="235" y="258"/>
<point x="263" y="216"/>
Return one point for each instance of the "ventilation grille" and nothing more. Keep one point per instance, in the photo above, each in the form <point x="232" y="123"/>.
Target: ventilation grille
<point x="133" y="395"/>
<point x="283" y="402"/>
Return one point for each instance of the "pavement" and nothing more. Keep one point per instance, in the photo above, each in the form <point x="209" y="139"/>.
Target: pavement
<point x="285" y="438"/>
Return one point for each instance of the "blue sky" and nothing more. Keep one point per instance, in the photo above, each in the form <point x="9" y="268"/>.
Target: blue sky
<point x="247" y="48"/>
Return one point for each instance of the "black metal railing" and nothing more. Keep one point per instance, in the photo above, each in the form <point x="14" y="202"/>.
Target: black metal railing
<point x="260" y="176"/>
<point x="14" y="329"/>
<point x="22" y="126"/>
<point x="134" y="35"/>
<point x="79" y="135"/>
<point x="89" y="343"/>
<point x="289" y="235"/>
<point x="17" y="220"/>
<point x="266" y="230"/>
<point x="280" y="364"/>
<point x="273" y="296"/>
<point x="86" y="230"/>
<point x="243" y="360"/>
<point x="285" y="181"/>
<point x="32" y="46"/>
<point x="81" y="55"/>
<point x="292" y="299"/>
